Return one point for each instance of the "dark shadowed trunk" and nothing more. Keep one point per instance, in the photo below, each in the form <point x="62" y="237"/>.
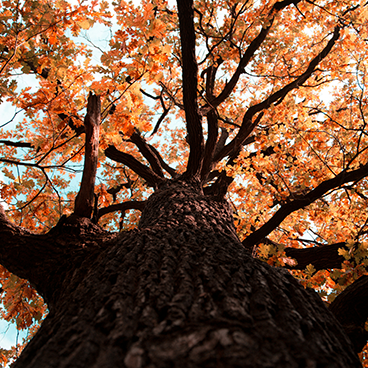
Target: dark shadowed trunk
<point x="180" y="291"/>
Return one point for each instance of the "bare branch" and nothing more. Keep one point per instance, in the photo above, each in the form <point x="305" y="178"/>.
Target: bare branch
<point x="321" y="258"/>
<point x="162" y="117"/>
<point x="84" y="200"/>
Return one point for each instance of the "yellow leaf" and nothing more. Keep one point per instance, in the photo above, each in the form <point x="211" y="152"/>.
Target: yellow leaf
<point x="114" y="138"/>
<point x="166" y="49"/>
<point x="135" y="89"/>
<point x="343" y="252"/>
<point x="310" y="269"/>
<point x="84" y="23"/>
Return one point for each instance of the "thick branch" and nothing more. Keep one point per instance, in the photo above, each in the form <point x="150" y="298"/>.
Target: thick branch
<point x="190" y="82"/>
<point x="247" y="125"/>
<point x="223" y="181"/>
<point x="130" y="205"/>
<point x="212" y="123"/>
<point x="85" y="198"/>
<point x="42" y="258"/>
<point x="222" y="140"/>
<point x="145" y="172"/>
<point x="27" y="255"/>
<point x="351" y="310"/>
<point x="146" y="151"/>
<point x="17" y="144"/>
<point x="210" y="144"/>
<point x="305" y="200"/>
<point x="324" y="257"/>
<point x="13" y="239"/>
<point x="163" y="164"/>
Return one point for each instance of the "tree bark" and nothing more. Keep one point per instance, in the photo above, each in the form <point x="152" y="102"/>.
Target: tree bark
<point x="350" y="309"/>
<point x="84" y="201"/>
<point x="179" y="291"/>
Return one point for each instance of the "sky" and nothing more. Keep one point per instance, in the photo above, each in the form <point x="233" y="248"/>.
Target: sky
<point x="8" y="334"/>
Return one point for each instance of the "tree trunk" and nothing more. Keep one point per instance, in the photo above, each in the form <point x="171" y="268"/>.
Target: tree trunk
<point x="180" y="291"/>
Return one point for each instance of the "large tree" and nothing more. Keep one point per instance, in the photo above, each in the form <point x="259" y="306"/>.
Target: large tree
<point x="238" y="130"/>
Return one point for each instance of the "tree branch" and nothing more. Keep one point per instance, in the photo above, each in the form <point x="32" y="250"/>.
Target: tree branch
<point x="212" y="122"/>
<point x="163" y="164"/>
<point x="249" y="53"/>
<point x="295" y="204"/>
<point x="84" y="201"/>
<point x="11" y="245"/>
<point x="210" y="144"/>
<point x="25" y="254"/>
<point x="223" y="181"/>
<point x="17" y="144"/>
<point x="322" y="258"/>
<point x="163" y="115"/>
<point x="39" y="257"/>
<point x="190" y="83"/>
<point x="115" y="190"/>
<point x="247" y="125"/>
<point x="222" y="140"/>
<point x="44" y="74"/>
<point x="145" y="172"/>
<point x="351" y="310"/>
<point x="125" y="206"/>
<point x="146" y="151"/>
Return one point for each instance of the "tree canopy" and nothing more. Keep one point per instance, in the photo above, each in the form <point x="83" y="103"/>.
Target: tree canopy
<point x="264" y="102"/>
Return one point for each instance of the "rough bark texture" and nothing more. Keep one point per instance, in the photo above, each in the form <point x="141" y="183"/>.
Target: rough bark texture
<point x="84" y="200"/>
<point x="350" y="309"/>
<point x="180" y="291"/>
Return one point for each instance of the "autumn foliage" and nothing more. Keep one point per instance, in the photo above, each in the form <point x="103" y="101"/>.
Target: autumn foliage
<point x="281" y="94"/>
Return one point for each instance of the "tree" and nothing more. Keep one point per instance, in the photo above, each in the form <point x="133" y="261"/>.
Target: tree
<point x="218" y="270"/>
